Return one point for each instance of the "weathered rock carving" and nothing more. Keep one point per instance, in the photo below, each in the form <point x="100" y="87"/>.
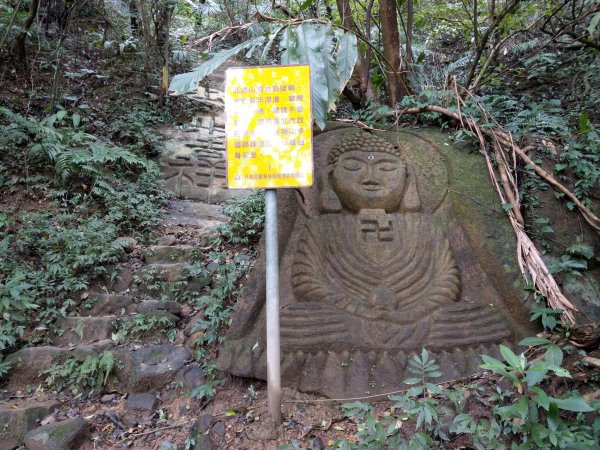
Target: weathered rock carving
<point x="368" y="277"/>
<point x="194" y="161"/>
<point x="191" y="177"/>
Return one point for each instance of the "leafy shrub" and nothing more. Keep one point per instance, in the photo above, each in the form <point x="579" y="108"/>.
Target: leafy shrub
<point x="534" y="420"/>
<point x="246" y="220"/>
<point x="95" y="192"/>
<point x="14" y="303"/>
<point x="72" y="153"/>
<point x="219" y="301"/>
<point x="523" y="418"/>
<point x="134" y="128"/>
<point x="5" y="367"/>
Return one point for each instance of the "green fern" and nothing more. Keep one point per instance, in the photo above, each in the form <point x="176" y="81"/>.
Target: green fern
<point x="5" y="367"/>
<point x="92" y="373"/>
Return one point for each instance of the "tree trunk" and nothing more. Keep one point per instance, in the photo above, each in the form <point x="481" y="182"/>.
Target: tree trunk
<point x="396" y="81"/>
<point x="361" y="69"/>
<point x="475" y="24"/>
<point x="230" y="13"/>
<point x="508" y="9"/>
<point x="166" y="51"/>
<point x="144" y="25"/>
<point x="410" y="21"/>
<point x="19" y="48"/>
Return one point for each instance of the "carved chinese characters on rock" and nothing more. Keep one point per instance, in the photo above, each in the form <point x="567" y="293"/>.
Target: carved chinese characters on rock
<point x="196" y="178"/>
<point x="368" y="277"/>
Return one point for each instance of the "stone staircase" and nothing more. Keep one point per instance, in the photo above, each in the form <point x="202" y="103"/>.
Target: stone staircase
<point x="111" y="318"/>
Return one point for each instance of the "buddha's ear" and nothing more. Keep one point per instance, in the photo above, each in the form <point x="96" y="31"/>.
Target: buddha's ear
<point x="328" y="199"/>
<point x="411" y="201"/>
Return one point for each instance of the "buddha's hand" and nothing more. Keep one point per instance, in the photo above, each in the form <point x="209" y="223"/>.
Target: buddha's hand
<point x="383" y="300"/>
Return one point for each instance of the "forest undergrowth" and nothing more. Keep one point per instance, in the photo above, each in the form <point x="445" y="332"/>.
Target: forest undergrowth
<point x="79" y="192"/>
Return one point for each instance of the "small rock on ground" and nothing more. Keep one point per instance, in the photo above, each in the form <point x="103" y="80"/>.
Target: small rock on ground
<point x="141" y="402"/>
<point x="16" y="419"/>
<point x="197" y="433"/>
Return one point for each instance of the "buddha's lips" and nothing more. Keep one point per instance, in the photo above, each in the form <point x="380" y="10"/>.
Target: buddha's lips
<point x="372" y="189"/>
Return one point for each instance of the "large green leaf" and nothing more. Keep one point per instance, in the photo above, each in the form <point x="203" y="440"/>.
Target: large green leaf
<point x="331" y="59"/>
<point x="187" y="82"/>
<point x="516" y="362"/>
<point x="534" y="340"/>
<point x="346" y="57"/>
<point x="577" y="404"/>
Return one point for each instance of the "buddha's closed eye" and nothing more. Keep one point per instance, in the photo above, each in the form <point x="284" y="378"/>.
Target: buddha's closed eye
<point x="387" y="167"/>
<point x="352" y="164"/>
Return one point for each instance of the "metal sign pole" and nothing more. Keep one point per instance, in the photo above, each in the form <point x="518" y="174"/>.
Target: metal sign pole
<point x="272" y="269"/>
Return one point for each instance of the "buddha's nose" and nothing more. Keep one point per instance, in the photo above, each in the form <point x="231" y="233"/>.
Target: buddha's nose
<point x="369" y="176"/>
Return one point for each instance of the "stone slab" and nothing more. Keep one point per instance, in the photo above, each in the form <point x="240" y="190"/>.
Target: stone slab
<point x="149" y="368"/>
<point x="105" y="304"/>
<point x="159" y="305"/>
<point x="65" y="435"/>
<point x="141" y="402"/>
<point x="80" y="330"/>
<point x="194" y="214"/>
<point x="171" y="253"/>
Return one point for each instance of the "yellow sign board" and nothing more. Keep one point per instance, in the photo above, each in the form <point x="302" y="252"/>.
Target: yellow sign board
<point x="269" y="127"/>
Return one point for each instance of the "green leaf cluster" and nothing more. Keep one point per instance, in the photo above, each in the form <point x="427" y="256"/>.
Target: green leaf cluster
<point x="139" y="325"/>
<point x="78" y="376"/>
<point x="534" y="418"/>
<point x="331" y="55"/>
<point x="330" y="52"/>
<point x="246" y="220"/>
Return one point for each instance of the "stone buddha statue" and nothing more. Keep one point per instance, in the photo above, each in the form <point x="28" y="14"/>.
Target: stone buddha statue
<point x="374" y="273"/>
<point x="368" y="276"/>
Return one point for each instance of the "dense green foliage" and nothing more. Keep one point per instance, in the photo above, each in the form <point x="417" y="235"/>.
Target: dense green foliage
<point x="90" y="374"/>
<point x="522" y="417"/>
<point x="246" y="220"/>
<point x="100" y="196"/>
<point x="84" y="98"/>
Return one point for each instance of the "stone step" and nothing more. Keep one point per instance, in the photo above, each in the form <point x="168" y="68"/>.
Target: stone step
<point x="158" y="305"/>
<point x="81" y="330"/>
<point x="193" y="214"/>
<point x="97" y="304"/>
<point x="121" y="283"/>
<point x="145" y="327"/>
<point x="146" y="368"/>
<point x="28" y="363"/>
<point x="159" y="278"/>
<point x="66" y="434"/>
<point x="171" y="254"/>
<point x="19" y="416"/>
<point x="149" y="368"/>
<point x="102" y="304"/>
<point x="169" y="272"/>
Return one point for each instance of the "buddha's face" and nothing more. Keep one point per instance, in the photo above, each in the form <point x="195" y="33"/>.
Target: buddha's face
<point x="369" y="180"/>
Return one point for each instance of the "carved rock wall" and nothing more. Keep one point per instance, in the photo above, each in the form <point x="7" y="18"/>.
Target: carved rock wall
<point x="489" y="308"/>
<point x="194" y="163"/>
